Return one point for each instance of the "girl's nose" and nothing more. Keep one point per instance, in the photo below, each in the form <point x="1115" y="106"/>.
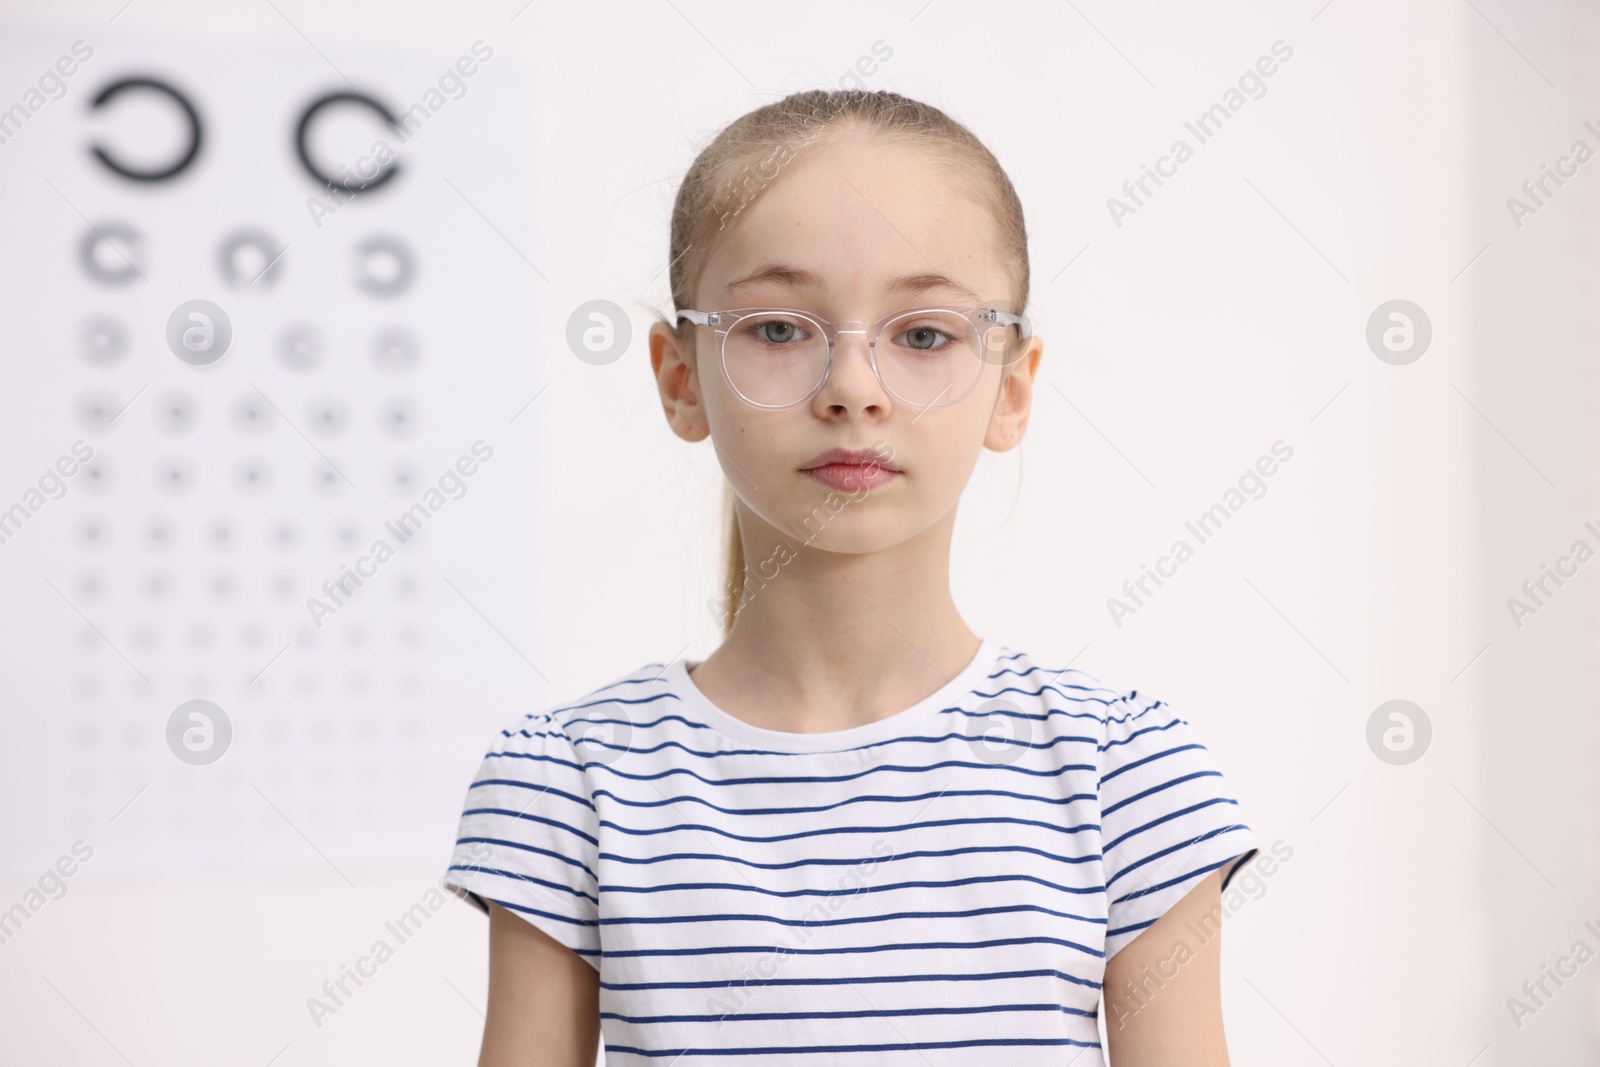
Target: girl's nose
<point x="852" y="358"/>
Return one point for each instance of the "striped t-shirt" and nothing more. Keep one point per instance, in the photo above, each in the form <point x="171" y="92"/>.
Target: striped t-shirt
<point x="942" y="886"/>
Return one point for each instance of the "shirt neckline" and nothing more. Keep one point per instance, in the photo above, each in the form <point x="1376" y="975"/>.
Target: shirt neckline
<point x="965" y="681"/>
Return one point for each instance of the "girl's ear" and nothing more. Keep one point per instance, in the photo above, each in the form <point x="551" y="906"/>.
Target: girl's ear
<point x="678" y="381"/>
<point x="1014" y="402"/>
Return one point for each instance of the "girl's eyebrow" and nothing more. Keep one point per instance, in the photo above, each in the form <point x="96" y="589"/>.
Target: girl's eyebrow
<point x="776" y="274"/>
<point x="921" y="283"/>
<point x="800" y="278"/>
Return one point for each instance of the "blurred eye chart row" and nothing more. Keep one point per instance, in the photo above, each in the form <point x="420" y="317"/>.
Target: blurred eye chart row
<point x="272" y="302"/>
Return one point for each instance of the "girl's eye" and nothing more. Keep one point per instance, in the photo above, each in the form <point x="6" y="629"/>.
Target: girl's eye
<point x="777" y="331"/>
<point x="923" y="338"/>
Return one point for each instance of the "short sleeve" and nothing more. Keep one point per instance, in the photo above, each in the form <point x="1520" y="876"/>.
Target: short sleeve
<point x="1167" y="816"/>
<point x="528" y="836"/>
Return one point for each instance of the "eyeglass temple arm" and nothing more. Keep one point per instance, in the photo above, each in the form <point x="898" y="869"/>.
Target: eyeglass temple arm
<point x="1006" y="318"/>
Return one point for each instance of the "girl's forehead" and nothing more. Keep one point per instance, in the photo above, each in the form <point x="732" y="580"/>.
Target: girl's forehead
<point x="874" y="192"/>
<point x="942" y="247"/>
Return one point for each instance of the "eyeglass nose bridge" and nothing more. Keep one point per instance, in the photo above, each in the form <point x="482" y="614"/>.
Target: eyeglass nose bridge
<point x="868" y="331"/>
<point x="865" y="331"/>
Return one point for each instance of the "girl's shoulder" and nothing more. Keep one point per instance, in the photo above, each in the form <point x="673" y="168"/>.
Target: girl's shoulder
<point x="1048" y="680"/>
<point x="1132" y="721"/>
<point x="553" y="730"/>
<point x="631" y="693"/>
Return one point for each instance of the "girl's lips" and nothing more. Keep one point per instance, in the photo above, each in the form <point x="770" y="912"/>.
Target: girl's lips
<point x="851" y="477"/>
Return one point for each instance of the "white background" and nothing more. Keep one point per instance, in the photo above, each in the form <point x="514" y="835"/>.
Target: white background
<point x="1228" y="313"/>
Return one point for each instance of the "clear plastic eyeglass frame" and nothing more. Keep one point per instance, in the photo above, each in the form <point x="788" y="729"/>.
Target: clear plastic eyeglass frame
<point x="983" y="319"/>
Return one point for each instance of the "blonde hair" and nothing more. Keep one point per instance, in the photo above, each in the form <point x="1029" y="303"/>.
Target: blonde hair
<point x="744" y="159"/>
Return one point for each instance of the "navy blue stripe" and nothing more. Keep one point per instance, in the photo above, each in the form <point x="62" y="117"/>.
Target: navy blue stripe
<point x="594" y="697"/>
<point x="520" y="784"/>
<point x="1150" y="922"/>
<point x="806" y="924"/>
<point x="524" y="909"/>
<point x="906" y="1046"/>
<point x="865" y="1013"/>
<point x="1127" y="698"/>
<point x="1107" y="701"/>
<point x="1148" y="759"/>
<point x="536" y="757"/>
<point x="1135" y="735"/>
<point x="1058" y="674"/>
<point x="969" y="738"/>
<point x="587" y="703"/>
<point x="532" y="848"/>
<point x="822" y="861"/>
<point x="1125" y="801"/>
<point x="864" y="798"/>
<point x="659" y="676"/>
<point x="523" y="732"/>
<point x="829" y="831"/>
<point x="855" y="950"/>
<point x="742" y="887"/>
<point x="508" y="813"/>
<point x="1112" y="845"/>
<point x="1132" y="716"/>
<point x="639" y="725"/>
<point x="1137" y="893"/>
<point x="1054" y="772"/>
<point x="517" y="875"/>
<point x="1067" y="712"/>
<point x="875" y="979"/>
<point x="1031" y="716"/>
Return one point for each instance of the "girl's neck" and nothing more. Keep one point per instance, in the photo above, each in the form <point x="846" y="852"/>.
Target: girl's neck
<point x="830" y="641"/>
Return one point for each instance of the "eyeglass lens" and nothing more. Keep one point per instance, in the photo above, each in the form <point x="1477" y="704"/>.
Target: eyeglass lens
<point x="925" y="358"/>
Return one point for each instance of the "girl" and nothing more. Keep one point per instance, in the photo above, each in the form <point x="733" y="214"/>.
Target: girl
<point x="857" y="832"/>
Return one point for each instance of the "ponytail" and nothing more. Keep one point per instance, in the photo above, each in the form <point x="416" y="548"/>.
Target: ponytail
<point x="734" y="574"/>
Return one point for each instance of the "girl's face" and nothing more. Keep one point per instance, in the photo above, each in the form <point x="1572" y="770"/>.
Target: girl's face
<point x="858" y="229"/>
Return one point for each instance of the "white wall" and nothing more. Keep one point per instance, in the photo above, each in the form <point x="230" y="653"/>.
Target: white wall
<point x="1227" y="314"/>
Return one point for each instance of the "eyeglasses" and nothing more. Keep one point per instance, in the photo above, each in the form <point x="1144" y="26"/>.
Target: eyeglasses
<point x="779" y="357"/>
